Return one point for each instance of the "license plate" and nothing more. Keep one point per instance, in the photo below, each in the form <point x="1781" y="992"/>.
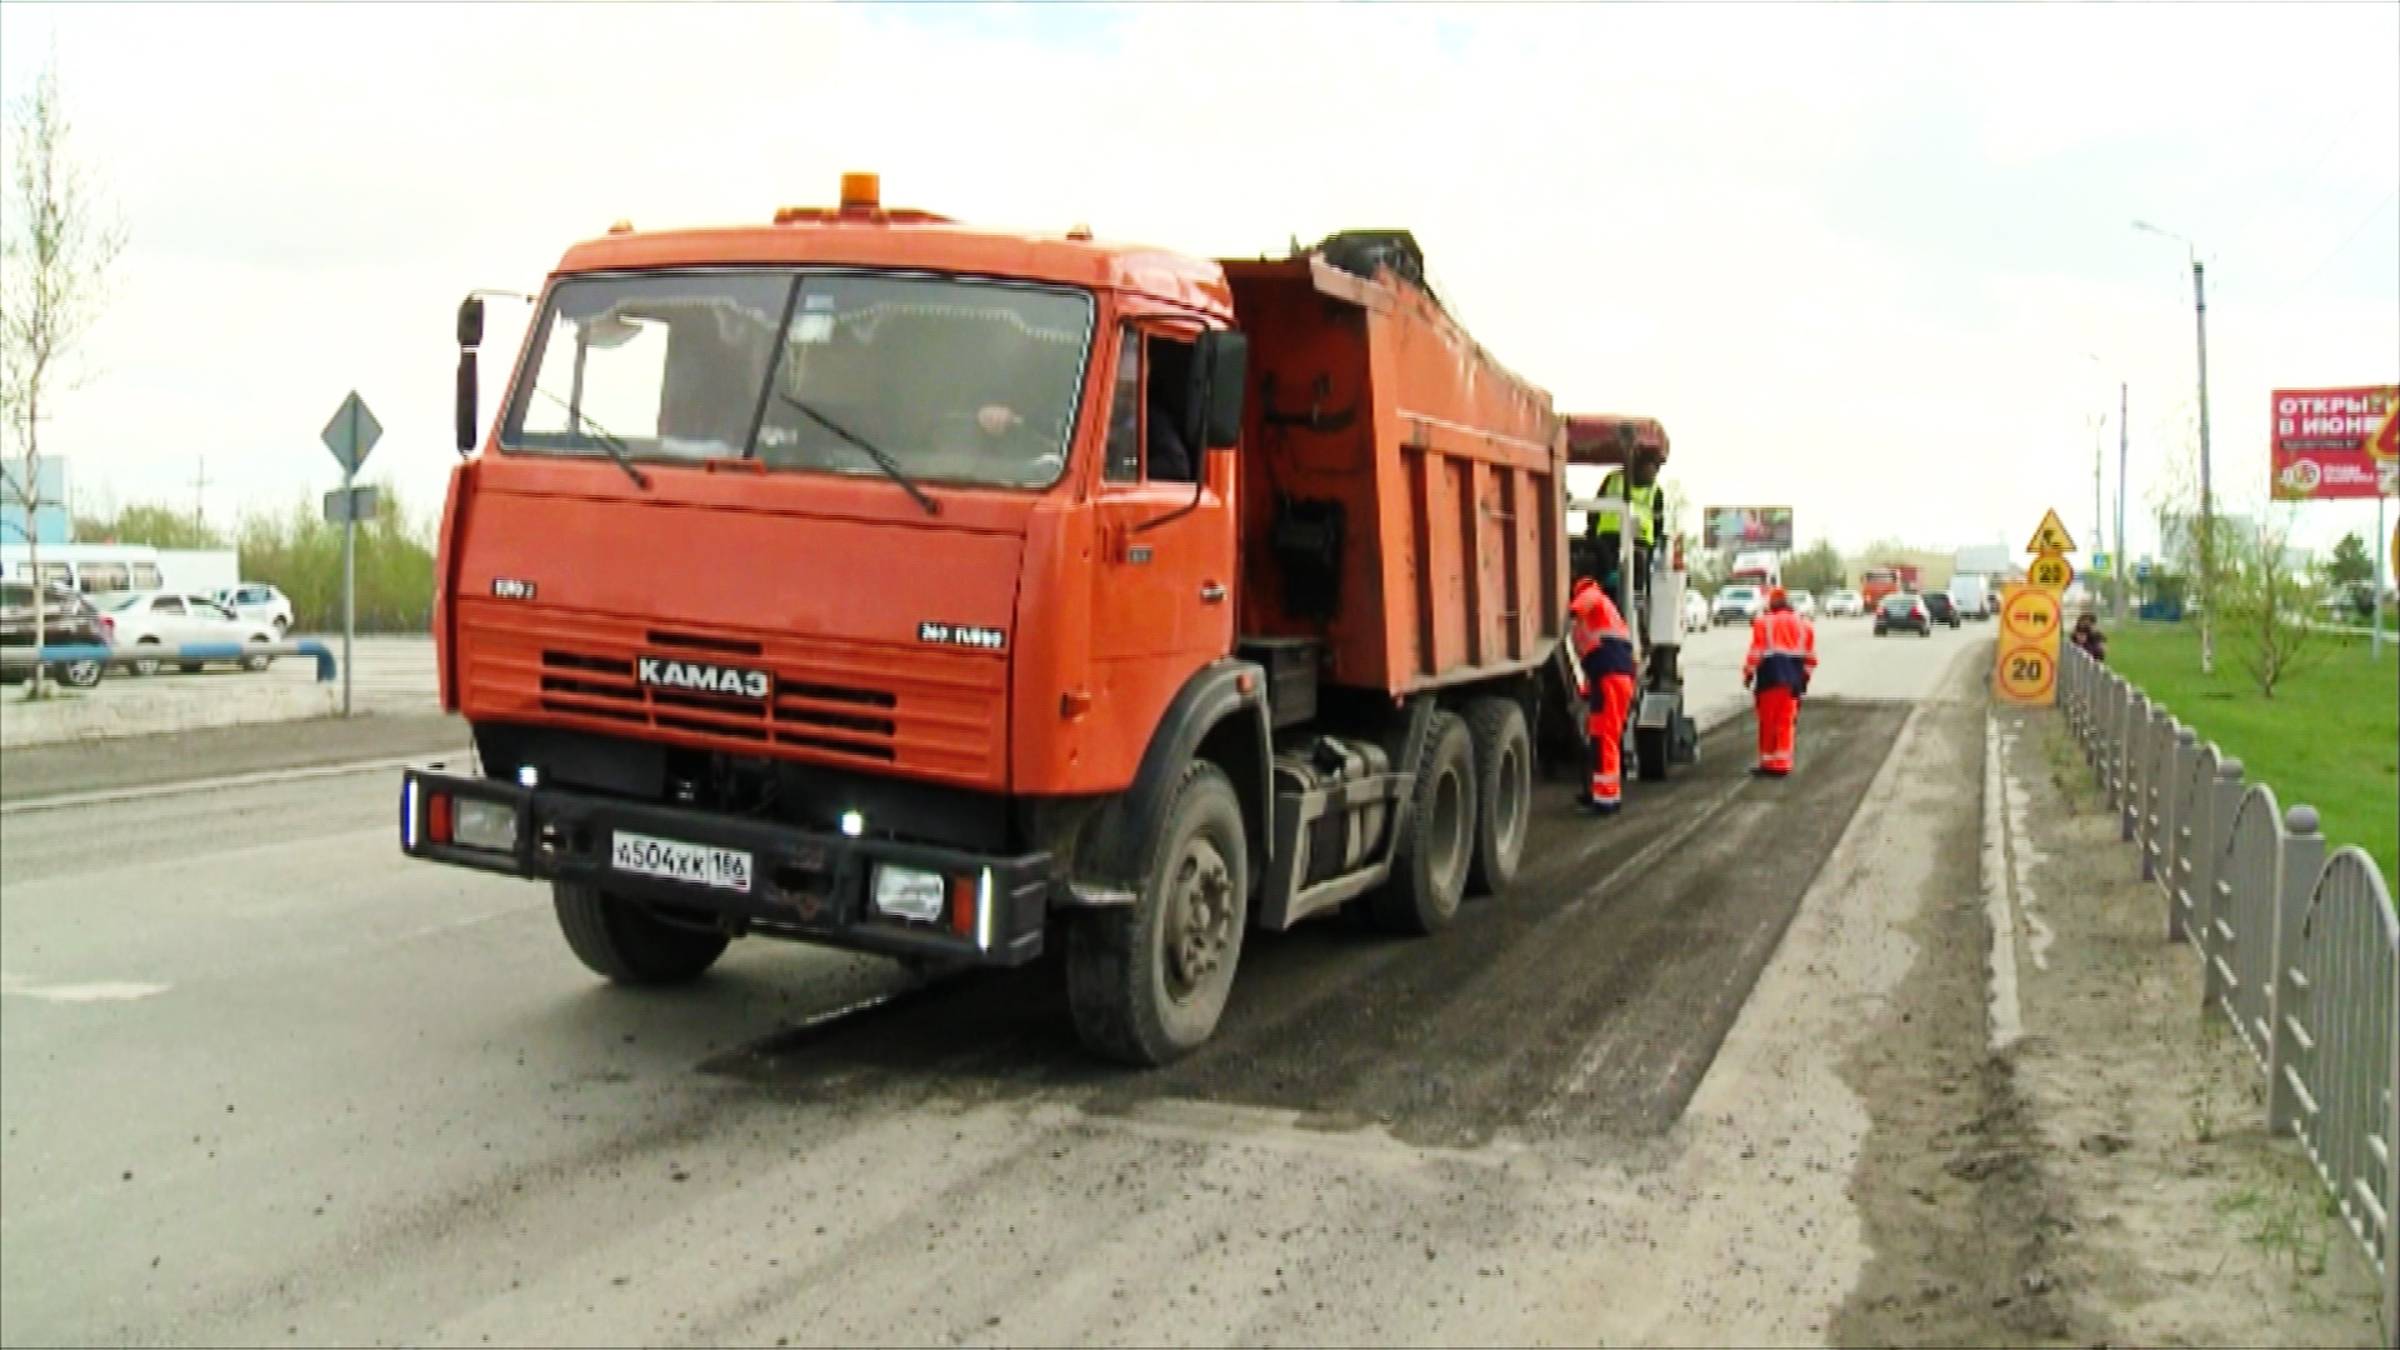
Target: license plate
<point x="725" y="869"/>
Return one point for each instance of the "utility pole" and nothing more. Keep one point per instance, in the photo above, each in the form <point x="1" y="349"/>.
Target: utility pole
<point x="2099" y="521"/>
<point x="2123" y="566"/>
<point x="2206" y="537"/>
<point x="200" y="494"/>
<point x="2208" y="513"/>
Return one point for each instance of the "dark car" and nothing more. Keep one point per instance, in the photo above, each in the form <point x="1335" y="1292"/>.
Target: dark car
<point x="1942" y="608"/>
<point x="68" y="621"/>
<point x="1903" y="612"/>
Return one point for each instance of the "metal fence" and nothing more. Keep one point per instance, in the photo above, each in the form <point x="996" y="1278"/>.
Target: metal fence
<point x="2300" y="952"/>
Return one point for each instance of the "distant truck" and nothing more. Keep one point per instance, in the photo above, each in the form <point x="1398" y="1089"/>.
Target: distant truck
<point x="1874" y="583"/>
<point x="1762" y="568"/>
<point x="868" y="580"/>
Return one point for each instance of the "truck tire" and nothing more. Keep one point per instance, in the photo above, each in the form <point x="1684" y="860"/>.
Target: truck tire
<point x="1429" y="869"/>
<point x="1650" y="751"/>
<point x="1503" y="792"/>
<point x="1147" y="982"/>
<point x="618" y="940"/>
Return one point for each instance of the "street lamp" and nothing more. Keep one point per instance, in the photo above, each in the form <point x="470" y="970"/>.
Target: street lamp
<point x="2117" y="563"/>
<point x="2208" y="519"/>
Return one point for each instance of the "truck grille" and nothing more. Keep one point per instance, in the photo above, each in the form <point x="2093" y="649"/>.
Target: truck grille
<point x="939" y="715"/>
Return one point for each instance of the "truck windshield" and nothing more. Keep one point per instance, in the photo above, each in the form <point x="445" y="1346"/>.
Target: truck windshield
<point x="953" y="381"/>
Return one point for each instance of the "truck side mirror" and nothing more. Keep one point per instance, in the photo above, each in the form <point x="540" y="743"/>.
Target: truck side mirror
<point x="467" y="415"/>
<point x="1220" y="377"/>
<point x="470" y="336"/>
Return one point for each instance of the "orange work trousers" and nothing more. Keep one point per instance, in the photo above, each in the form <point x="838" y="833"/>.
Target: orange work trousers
<point x="1778" y="722"/>
<point x="1606" y="723"/>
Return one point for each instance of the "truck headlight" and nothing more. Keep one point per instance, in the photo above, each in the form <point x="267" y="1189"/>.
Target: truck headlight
<point x="910" y="893"/>
<point x="486" y="825"/>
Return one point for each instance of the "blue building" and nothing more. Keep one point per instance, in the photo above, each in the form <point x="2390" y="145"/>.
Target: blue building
<point x="50" y="524"/>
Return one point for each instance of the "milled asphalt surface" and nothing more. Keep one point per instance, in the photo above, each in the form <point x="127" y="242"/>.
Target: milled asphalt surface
<point x="263" y="1081"/>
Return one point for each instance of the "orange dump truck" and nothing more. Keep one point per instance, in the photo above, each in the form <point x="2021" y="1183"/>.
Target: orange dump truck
<point x="868" y="580"/>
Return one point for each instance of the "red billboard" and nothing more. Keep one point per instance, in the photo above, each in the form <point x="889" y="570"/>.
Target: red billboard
<point x="2336" y="442"/>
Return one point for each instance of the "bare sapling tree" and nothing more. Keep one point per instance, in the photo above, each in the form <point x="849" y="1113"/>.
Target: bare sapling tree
<point x="2269" y="605"/>
<point x="58" y="247"/>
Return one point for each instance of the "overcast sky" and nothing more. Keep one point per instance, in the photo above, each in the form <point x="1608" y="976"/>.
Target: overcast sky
<point x="1854" y="258"/>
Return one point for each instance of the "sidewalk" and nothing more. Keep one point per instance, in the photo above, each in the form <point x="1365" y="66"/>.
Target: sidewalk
<point x="2154" y="1208"/>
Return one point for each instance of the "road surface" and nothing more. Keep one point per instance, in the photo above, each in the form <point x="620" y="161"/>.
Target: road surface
<point x="266" y="1082"/>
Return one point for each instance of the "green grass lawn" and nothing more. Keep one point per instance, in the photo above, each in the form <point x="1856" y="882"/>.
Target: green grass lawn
<point x="2330" y="737"/>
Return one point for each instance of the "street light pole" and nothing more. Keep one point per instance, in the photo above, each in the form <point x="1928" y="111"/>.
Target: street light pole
<point x="2122" y="566"/>
<point x="2207" y="537"/>
<point x="2099" y="438"/>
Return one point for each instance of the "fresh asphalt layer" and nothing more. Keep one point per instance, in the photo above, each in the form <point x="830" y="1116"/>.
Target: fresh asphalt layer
<point x="266" y="1081"/>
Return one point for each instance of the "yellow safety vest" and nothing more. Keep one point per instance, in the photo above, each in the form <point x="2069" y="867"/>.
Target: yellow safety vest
<point x="1639" y="498"/>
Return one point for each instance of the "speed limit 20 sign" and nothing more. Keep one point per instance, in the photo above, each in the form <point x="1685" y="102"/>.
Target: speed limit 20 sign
<point x="2025" y="660"/>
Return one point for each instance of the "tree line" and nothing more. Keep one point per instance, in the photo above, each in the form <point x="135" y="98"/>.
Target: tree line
<point x="297" y="551"/>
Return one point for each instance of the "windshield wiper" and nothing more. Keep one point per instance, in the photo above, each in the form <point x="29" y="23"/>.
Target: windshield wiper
<point x="607" y="441"/>
<point x="890" y="466"/>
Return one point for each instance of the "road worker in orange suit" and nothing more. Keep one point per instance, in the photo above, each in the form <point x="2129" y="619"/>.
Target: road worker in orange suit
<point x="1604" y="650"/>
<point x="1783" y="655"/>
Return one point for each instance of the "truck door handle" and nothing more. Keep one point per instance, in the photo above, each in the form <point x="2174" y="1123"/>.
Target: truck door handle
<point x="1211" y="592"/>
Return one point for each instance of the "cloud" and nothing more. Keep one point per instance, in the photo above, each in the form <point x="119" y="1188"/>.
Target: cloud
<point x="1851" y="256"/>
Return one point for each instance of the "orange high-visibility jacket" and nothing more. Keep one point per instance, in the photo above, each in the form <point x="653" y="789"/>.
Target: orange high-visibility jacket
<point x="1783" y="652"/>
<point x="1599" y="627"/>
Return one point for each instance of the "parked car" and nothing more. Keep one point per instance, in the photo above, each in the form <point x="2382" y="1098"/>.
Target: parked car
<point x="1737" y="604"/>
<point x="167" y="618"/>
<point x="1903" y="612"/>
<point x="1843" y="605"/>
<point x="260" y="602"/>
<point x="1804" y="604"/>
<point x="1942" y="607"/>
<point x="1695" y="611"/>
<point x="68" y="620"/>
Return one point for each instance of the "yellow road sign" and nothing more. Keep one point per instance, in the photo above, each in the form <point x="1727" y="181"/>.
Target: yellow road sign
<point x="2030" y="614"/>
<point x="2028" y="674"/>
<point x="2050" y="572"/>
<point x="2025" y="659"/>
<point x="2051" y="537"/>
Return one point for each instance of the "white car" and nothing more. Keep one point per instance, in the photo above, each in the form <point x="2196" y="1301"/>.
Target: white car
<point x="1844" y="604"/>
<point x="1695" y="611"/>
<point x="171" y="618"/>
<point x="1804" y="604"/>
<point x="1737" y="604"/>
<point x="259" y="601"/>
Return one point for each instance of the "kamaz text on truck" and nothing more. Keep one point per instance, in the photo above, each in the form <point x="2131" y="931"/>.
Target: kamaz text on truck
<point x="868" y="580"/>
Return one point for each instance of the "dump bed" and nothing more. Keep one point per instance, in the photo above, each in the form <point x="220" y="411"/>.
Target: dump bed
<point x="1401" y="491"/>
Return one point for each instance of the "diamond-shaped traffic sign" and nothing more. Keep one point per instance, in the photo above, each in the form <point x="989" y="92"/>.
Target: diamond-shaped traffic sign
<point x="2051" y="537"/>
<point x="352" y="433"/>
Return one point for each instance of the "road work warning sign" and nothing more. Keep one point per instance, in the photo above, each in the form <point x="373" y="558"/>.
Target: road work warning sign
<point x="2025" y="660"/>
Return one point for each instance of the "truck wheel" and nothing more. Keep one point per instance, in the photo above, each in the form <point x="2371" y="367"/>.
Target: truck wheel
<point x="1650" y="752"/>
<point x="1503" y="787"/>
<point x="81" y="674"/>
<point x="1147" y="983"/>
<point x="1429" y="870"/>
<point x="146" y="667"/>
<point x="617" y="939"/>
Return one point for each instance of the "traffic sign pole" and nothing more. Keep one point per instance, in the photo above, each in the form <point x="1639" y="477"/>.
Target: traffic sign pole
<point x="349" y="585"/>
<point x="350" y="435"/>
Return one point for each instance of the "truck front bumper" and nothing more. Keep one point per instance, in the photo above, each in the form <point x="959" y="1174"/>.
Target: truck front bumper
<point x="734" y="873"/>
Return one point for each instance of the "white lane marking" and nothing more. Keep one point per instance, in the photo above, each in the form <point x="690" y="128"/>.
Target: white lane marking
<point x="2022" y="857"/>
<point x="266" y="778"/>
<point x="104" y="991"/>
<point x="2008" y="1016"/>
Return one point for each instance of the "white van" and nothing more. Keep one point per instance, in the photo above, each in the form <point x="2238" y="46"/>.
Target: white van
<point x="1972" y="596"/>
